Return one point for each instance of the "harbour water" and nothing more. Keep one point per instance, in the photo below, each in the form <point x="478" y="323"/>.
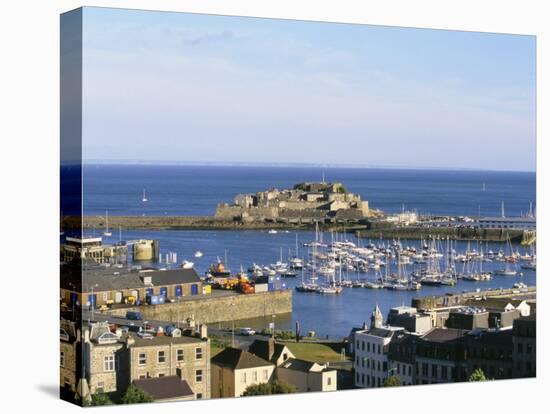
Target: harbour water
<point x="332" y="315"/>
<point x="193" y="190"/>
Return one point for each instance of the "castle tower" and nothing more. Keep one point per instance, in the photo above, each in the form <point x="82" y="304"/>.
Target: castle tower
<point x="376" y="318"/>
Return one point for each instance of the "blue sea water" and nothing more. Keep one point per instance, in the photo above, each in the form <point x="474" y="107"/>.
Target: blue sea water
<point x="193" y="190"/>
<point x="196" y="190"/>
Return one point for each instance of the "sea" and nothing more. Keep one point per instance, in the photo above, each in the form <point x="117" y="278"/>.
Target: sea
<point x="196" y="190"/>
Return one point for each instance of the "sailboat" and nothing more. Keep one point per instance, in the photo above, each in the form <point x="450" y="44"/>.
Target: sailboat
<point x="144" y="198"/>
<point x="509" y="267"/>
<point x="107" y="233"/>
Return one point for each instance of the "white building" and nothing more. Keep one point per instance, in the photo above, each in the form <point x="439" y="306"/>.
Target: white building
<point x="513" y="223"/>
<point x="371" y="362"/>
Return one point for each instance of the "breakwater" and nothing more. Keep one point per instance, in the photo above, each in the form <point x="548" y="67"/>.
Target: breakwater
<point x="455" y="233"/>
<point x="458" y="299"/>
<point x="361" y="230"/>
<point x="210" y="309"/>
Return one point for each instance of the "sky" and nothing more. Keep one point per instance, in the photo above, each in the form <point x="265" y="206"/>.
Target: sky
<point x="175" y="87"/>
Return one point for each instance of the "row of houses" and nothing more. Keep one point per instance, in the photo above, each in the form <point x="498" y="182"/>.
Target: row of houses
<point x="442" y="354"/>
<point x="175" y="365"/>
<point x="170" y="366"/>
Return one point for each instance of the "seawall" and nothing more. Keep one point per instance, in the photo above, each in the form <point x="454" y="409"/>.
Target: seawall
<point x="455" y="233"/>
<point x="217" y="308"/>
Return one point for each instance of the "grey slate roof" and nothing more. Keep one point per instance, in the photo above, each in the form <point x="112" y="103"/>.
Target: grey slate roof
<point x="238" y="359"/>
<point x="162" y="388"/>
<point x="260" y="348"/>
<point x="76" y="278"/>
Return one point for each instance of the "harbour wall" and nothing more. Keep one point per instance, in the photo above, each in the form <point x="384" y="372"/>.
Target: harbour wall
<point x="434" y="302"/>
<point x="455" y="233"/>
<point x="217" y="308"/>
<point x="360" y="228"/>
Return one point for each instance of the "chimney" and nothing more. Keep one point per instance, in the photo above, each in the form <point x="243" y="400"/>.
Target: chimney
<point x="270" y="348"/>
<point x="160" y="331"/>
<point x="204" y="331"/>
<point x="130" y="341"/>
<point x="86" y="335"/>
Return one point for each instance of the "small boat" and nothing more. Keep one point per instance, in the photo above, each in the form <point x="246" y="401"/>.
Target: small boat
<point x="289" y="273"/>
<point x="272" y="231"/>
<point x="198" y="253"/>
<point x="144" y="198"/>
<point x="372" y="285"/>
<point x="187" y="265"/>
<point x="529" y="266"/>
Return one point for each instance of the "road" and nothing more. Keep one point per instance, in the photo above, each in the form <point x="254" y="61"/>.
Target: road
<point x="240" y="341"/>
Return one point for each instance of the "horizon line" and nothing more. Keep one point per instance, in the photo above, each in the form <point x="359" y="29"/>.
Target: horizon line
<point x="290" y="165"/>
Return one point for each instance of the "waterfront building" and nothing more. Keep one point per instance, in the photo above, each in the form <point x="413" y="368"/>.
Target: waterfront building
<point x="98" y="285"/>
<point x="509" y="223"/>
<point x="371" y="361"/>
<point x="234" y="370"/>
<point x="92" y="248"/>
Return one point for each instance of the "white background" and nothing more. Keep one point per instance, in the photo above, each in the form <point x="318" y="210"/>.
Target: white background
<point x="29" y="151"/>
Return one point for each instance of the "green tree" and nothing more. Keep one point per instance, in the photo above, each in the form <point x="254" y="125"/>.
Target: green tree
<point x="478" y="375"/>
<point x="393" y="381"/>
<point x="134" y="395"/>
<point x="101" y="399"/>
<point x="276" y="387"/>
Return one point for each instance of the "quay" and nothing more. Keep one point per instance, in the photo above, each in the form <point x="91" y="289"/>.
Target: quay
<point x="480" y="298"/>
<point x="219" y="306"/>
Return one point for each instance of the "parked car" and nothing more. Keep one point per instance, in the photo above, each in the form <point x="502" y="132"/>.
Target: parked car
<point x="247" y="331"/>
<point x="134" y="316"/>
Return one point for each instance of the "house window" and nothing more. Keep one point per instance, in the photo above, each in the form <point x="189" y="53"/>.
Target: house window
<point x="142" y="376"/>
<point x="199" y="396"/>
<point x="198" y="375"/>
<point x="161" y="357"/>
<point x="379" y="349"/>
<point x="179" y="355"/>
<point x="100" y="386"/>
<point x="62" y="359"/>
<point x="243" y="377"/>
<point x="266" y="374"/>
<point x="255" y="376"/>
<point x="142" y="358"/>
<point x="434" y="371"/>
<point x="329" y="381"/>
<point x="368" y="346"/>
<point x="161" y="375"/>
<point x="109" y="363"/>
<point x="444" y="374"/>
<point x="198" y="353"/>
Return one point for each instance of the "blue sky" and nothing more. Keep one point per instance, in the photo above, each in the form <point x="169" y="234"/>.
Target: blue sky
<point x="183" y="87"/>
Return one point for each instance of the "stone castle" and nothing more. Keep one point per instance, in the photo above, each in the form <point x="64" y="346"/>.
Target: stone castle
<point x="302" y="204"/>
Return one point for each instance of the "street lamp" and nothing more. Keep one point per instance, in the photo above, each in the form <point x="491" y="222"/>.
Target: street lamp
<point x="90" y="303"/>
<point x="273" y="325"/>
<point x="232" y="326"/>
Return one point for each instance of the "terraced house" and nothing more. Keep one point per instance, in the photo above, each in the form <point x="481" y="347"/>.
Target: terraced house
<point x="111" y="361"/>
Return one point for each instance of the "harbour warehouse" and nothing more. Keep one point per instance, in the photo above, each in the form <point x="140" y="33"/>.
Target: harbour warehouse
<point x="122" y="289"/>
<point x="101" y="285"/>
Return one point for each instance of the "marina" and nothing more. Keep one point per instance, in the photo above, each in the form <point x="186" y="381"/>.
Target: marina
<point x="359" y="289"/>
